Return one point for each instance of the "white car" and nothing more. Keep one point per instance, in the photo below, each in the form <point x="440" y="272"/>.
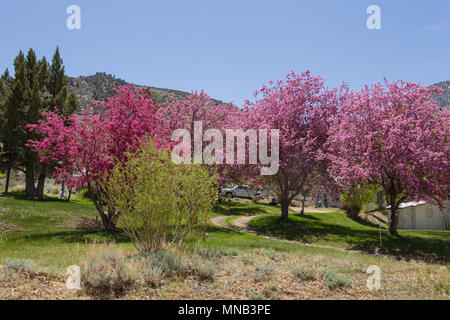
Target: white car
<point x="240" y="191"/>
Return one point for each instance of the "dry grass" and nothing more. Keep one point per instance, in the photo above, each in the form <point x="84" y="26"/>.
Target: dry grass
<point x="82" y="223"/>
<point x="236" y="280"/>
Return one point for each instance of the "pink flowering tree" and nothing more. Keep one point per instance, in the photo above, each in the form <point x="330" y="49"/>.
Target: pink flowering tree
<point x="301" y="108"/>
<point x="86" y="147"/>
<point x="198" y="108"/>
<point x="393" y="135"/>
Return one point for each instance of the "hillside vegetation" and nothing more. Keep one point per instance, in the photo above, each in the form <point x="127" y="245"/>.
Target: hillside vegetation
<point x="100" y="86"/>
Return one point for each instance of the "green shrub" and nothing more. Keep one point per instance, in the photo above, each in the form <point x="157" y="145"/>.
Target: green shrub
<point x="153" y="276"/>
<point x="21" y="265"/>
<point x="105" y="272"/>
<point x="355" y="198"/>
<point x="334" y="280"/>
<point x="170" y="263"/>
<point x="215" y="252"/>
<point x="253" y="294"/>
<point x="83" y="194"/>
<point x="263" y="271"/>
<point x="442" y="287"/>
<point x="30" y="267"/>
<point x="248" y="259"/>
<point x="162" y="204"/>
<point x="270" y="253"/>
<point x="304" y="274"/>
<point x="206" y="270"/>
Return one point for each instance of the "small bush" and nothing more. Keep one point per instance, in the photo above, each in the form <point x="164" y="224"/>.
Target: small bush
<point x="263" y="271"/>
<point x="254" y="294"/>
<point x="215" y="252"/>
<point x="83" y="194"/>
<point x="21" y="265"/>
<point x="153" y="276"/>
<point x="442" y="287"/>
<point x="206" y="271"/>
<point x="334" y="280"/>
<point x="248" y="259"/>
<point x="169" y="264"/>
<point x="30" y="267"/>
<point x="170" y="202"/>
<point x="105" y="271"/>
<point x="304" y="274"/>
<point x="270" y="253"/>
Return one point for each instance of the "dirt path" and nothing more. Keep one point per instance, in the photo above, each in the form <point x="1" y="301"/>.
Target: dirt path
<point x="241" y="224"/>
<point x="314" y="210"/>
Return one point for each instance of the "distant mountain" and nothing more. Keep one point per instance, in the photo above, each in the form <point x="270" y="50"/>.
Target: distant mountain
<point x="100" y="86"/>
<point x="444" y="99"/>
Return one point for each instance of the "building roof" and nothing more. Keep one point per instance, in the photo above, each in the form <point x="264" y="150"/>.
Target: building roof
<point x="409" y="204"/>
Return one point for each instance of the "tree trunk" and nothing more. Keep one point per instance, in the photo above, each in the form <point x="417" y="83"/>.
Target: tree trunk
<point x="8" y="176"/>
<point x="284" y="210"/>
<point x="30" y="188"/>
<point x="41" y="184"/>
<point x="394" y="220"/>
<point x="303" y="205"/>
<point x="107" y="222"/>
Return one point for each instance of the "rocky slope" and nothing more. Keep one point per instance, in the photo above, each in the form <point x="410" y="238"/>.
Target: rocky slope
<point x="101" y="86"/>
<point x="444" y="99"/>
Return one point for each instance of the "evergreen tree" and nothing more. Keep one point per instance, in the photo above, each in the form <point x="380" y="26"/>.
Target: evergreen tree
<point x="36" y="87"/>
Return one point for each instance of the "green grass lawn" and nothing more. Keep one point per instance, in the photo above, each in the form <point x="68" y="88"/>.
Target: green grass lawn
<point x="44" y="231"/>
<point x="337" y="229"/>
<point x="45" y="234"/>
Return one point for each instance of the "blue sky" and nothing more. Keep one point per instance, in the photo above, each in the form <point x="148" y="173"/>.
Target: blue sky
<point x="230" y="48"/>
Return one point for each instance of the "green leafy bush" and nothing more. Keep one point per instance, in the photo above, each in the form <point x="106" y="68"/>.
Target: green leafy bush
<point x="83" y="194"/>
<point x="356" y="197"/>
<point x="161" y="204"/>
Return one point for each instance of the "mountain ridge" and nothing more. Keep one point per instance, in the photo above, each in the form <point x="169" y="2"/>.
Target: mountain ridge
<point x="444" y="99"/>
<point x="100" y="86"/>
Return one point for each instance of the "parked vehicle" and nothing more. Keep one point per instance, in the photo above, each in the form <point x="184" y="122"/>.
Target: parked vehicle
<point x="241" y="191"/>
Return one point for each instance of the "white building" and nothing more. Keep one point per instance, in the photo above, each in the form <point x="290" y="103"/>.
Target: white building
<point x="419" y="215"/>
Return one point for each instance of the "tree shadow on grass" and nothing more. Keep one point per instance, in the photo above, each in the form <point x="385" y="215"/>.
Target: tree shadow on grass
<point x="211" y="228"/>
<point x="364" y="222"/>
<point x="23" y="196"/>
<point x="404" y="246"/>
<point x="233" y="208"/>
<point x="80" y="236"/>
<point x="306" y="216"/>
